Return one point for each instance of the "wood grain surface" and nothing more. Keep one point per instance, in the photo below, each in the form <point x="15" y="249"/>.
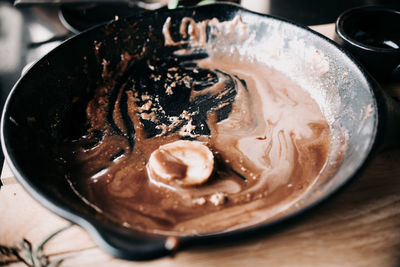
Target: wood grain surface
<point x="358" y="227"/>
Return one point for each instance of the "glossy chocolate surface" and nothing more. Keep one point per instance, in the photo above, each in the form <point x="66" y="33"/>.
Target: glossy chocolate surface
<point x="269" y="138"/>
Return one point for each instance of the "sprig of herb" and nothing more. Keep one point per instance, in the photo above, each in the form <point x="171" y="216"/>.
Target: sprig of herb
<point x="9" y="252"/>
<point x="31" y="257"/>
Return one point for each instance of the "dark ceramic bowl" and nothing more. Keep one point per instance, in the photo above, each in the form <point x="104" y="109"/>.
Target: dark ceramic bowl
<point x="372" y="35"/>
<point x="50" y="99"/>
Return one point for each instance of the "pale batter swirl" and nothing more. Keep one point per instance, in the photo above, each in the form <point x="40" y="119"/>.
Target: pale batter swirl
<point x="269" y="139"/>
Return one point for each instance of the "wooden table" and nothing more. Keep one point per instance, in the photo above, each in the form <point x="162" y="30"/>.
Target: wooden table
<point x="359" y="227"/>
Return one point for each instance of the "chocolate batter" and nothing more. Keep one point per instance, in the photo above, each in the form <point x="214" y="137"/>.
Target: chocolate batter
<point x="269" y="139"/>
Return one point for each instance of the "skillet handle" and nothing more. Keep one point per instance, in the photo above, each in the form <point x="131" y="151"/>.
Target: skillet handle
<point x="131" y="246"/>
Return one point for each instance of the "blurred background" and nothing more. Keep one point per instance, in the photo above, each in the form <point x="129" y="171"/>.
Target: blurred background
<point x="31" y="28"/>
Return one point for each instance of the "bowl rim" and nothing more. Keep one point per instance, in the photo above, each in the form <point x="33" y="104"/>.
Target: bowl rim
<point x="339" y="27"/>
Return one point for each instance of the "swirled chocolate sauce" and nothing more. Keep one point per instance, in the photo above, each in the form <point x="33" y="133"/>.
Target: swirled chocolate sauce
<point x="268" y="138"/>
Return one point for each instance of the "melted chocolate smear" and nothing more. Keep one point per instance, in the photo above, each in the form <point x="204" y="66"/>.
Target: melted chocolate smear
<point x="148" y="105"/>
<point x="91" y="140"/>
<point x="152" y="77"/>
<point x="123" y="106"/>
<point x="118" y="155"/>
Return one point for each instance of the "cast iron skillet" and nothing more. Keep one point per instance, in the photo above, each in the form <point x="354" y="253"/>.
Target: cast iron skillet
<point x="48" y="102"/>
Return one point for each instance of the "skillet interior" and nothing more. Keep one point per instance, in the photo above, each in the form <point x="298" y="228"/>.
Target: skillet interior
<point x="49" y="101"/>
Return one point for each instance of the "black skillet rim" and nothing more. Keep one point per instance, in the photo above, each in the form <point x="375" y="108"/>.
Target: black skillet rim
<point x="100" y="233"/>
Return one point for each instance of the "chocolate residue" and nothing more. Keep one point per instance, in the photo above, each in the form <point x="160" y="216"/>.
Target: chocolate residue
<point x="269" y="138"/>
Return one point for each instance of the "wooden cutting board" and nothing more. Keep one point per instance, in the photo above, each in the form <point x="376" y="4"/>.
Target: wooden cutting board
<point x="359" y="227"/>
